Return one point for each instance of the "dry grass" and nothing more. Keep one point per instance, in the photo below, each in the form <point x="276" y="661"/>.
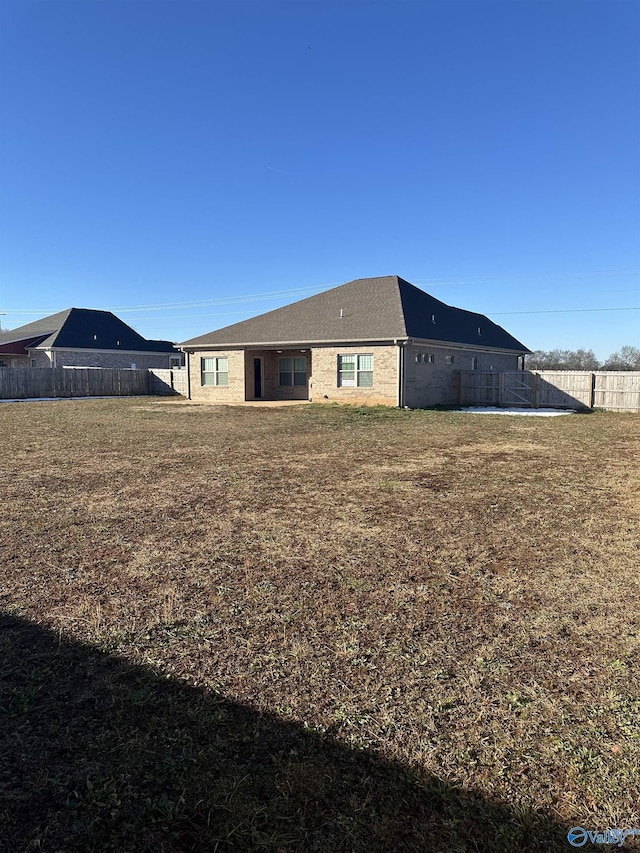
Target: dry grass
<point x="401" y="630"/>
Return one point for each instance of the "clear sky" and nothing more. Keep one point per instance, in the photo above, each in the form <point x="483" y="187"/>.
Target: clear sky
<point x="191" y="164"/>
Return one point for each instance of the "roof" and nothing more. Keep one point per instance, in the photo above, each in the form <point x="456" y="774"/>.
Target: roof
<point x="82" y="328"/>
<point x="367" y="309"/>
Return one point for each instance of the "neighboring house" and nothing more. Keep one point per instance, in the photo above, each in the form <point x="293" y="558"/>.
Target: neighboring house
<point x="82" y="337"/>
<point x="373" y="340"/>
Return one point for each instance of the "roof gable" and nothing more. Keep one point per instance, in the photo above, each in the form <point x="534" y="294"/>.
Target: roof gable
<point x="367" y="309"/>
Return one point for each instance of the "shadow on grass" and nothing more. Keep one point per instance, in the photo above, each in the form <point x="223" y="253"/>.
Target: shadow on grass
<point x="97" y="754"/>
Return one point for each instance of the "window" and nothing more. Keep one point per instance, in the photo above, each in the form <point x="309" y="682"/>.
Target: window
<point x="428" y="358"/>
<point x="474" y="363"/>
<point x="215" y="371"/>
<point x="293" y="371"/>
<point x="355" y="371"/>
<point x="449" y="359"/>
<point x="174" y="361"/>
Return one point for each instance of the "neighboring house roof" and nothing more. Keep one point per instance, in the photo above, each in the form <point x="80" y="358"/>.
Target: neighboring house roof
<point x="367" y="309"/>
<point x="20" y="347"/>
<point x="81" y="328"/>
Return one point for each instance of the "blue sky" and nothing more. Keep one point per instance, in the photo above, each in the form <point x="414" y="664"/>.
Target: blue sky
<point x="191" y="164"/>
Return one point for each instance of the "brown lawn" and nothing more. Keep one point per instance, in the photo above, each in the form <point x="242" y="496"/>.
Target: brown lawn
<point x="316" y="628"/>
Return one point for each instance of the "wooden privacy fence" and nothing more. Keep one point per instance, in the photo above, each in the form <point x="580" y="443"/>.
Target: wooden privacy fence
<point x="23" y="383"/>
<point x="617" y="391"/>
<point x="168" y="381"/>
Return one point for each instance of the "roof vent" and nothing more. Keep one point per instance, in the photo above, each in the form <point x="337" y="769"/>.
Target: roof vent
<point x="341" y="314"/>
<point x="479" y="330"/>
<point x="433" y="318"/>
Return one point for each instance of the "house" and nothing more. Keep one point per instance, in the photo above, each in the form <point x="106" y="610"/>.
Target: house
<point x="373" y="340"/>
<point x="83" y="337"/>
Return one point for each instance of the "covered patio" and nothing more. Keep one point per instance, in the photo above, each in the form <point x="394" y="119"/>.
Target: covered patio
<point x="277" y="374"/>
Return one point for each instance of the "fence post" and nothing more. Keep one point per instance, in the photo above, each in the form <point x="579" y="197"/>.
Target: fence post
<point x="592" y="391"/>
<point x="535" y="379"/>
<point x="500" y="388"/>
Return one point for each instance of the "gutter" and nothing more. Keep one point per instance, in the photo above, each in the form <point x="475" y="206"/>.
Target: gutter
<point x="432" y="342"/>
<point x="109" y="350"/>
<point x="344" y="342"/>
<point x="401" y="370"/>
<point x="285" y="344"/>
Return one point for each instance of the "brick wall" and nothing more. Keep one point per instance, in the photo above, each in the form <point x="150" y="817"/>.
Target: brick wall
<point x="234" y="392"/>
<point x="434" y="383"/>
<point x="100" y="358"/>
<point x="8" y="359"/>
<point x="426" y="384"/>
<point x="39" y="358"/>
<point x="324" y="376"/>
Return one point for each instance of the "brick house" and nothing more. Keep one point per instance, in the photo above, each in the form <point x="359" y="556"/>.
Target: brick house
<point x="83" y="337"/>
<point x="373" y="340"/>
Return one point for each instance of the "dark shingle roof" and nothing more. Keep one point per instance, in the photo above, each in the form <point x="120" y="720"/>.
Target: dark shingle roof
<point x="84" y="328"/>
<point x="367" y="309"/>
<point x="38" y="329"/>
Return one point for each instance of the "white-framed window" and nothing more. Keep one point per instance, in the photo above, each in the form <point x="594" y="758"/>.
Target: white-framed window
<point x="292" y="371"/>
<point x="355" y="371"/>
<point x="449" y="359"/>
<point x="215" y="371"/>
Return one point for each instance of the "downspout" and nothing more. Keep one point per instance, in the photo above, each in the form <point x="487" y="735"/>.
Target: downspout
<point x="188" y="360"/>
<point x="401" y="371"/>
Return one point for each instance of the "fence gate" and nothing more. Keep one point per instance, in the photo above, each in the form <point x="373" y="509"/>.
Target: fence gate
<point x="516" y="388"/>
<point x="616" y="391"/>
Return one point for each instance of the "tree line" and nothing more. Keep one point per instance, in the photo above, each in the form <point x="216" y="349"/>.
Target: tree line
<point x="626" y="358"/>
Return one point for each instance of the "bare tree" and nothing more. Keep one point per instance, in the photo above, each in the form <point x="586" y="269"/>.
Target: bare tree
<point x="562" y="359"/>
<point x="627" y="358"/>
